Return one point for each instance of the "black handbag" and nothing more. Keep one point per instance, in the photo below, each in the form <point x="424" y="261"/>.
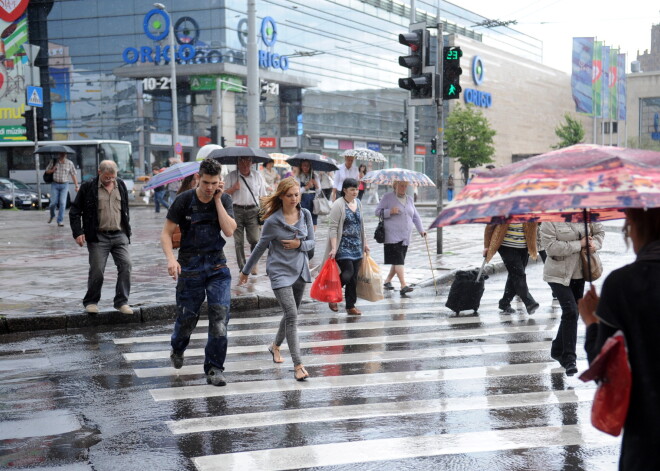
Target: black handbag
<point x="48" y="177"/>
<point x="379" y="235"/>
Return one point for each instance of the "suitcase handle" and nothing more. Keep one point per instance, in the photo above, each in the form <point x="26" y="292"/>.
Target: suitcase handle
<point x="481" y="270"/>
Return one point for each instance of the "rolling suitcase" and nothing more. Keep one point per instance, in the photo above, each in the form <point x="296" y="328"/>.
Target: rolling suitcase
<point x="466" y="290"/>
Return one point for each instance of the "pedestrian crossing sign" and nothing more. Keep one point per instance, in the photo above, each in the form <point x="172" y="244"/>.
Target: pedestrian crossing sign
<point x="35" y="96"/>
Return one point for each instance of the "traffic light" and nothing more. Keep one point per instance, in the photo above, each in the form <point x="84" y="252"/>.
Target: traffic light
<point x="420" y="81"/>
<point x="434" y="146"/>
<point x="29" y="124"/>
<point x="44" y="128"/>
<point x="451" y="72"/>
<point x="404" y="137"/>
<point x="222" y="141"/>
<point x="214" y="134"/>
<point x="445" y="147"/>
<point x="263" y="90"/>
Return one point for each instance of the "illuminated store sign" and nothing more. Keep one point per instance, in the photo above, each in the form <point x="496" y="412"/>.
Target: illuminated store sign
<point x="191" y="50"/>
<point x="477" y="97"/>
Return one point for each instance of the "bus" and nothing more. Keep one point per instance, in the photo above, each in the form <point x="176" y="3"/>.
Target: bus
<point x="17" y="161"/>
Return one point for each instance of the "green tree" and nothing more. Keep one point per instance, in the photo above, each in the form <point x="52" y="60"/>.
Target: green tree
<point x="569" y="133"/>
<point x="469" y="138"/>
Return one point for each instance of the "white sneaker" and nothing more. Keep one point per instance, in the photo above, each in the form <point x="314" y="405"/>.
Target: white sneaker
<point x="92" y="309"/>
<point x="125" y="309"/>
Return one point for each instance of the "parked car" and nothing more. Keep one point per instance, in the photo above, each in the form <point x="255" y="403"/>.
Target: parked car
<point x="24" y="196"/>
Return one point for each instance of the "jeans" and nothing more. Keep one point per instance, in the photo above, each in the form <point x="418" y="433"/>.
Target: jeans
<point x="117" y="245"/>
<point x="203" y="275"/>
<point x="307" y="202"/>
<point x="246" y="220"/>
<point x="450" y="194"/>
<point x="563" y="346"/>
<point x="58" y="198"/>
<point x="159" y="200"/>
<point x="515" y="260"/>
<point x="289" y="299"/>
<point x="348" y="271"/>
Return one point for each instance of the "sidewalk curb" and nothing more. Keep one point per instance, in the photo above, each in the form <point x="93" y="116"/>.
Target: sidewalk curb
<point x="141" y="314"/>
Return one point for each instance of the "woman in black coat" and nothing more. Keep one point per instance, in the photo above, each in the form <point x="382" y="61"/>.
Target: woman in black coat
<point x="630" y="301"/>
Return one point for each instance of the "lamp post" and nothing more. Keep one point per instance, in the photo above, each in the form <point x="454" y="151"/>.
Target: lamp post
<point x="175" y="106"/>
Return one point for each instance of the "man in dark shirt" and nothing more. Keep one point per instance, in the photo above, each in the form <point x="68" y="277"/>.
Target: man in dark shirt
<point x="203" y="214"/>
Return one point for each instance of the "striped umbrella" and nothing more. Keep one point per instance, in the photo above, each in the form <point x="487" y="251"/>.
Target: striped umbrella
<point x="365" y="154"/>
<point x="388" y="176"/>
<point x="173" y="174"/>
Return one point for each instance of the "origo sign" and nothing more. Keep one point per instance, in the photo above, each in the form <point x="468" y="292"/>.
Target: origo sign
<point x="269" y="37"/>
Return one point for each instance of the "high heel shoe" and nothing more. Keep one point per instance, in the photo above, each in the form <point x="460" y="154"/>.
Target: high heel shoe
<point x="275" y="350"/>
<point x="300" y="373"/>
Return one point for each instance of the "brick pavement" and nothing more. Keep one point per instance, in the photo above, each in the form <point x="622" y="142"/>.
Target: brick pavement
<point x="43" y="273"/>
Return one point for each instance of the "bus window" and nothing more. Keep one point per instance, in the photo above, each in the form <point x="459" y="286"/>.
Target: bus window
<point x="89" y="167"/>
<point x="121" y="154"/>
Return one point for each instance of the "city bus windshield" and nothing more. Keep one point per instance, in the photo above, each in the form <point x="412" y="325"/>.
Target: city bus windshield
<point x="121" y="154"/>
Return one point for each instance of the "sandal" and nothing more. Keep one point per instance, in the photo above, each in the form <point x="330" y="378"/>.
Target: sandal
<point x="300" y="373"/>
<point x="275" y="350"/>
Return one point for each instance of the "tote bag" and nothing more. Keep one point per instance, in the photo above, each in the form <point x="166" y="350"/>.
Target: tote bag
<point x="369" y="280"/>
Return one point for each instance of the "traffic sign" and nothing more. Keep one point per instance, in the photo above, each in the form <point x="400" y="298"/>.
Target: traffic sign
<point x="35" y="96"/>
<point x="178" y="148"/>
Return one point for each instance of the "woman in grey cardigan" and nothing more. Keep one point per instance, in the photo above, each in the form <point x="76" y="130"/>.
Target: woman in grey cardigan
<point x="399" y="215"/>
<point x="346" y="241"/>
<point x="289" y="236"/>
<point x="563" y="242"/>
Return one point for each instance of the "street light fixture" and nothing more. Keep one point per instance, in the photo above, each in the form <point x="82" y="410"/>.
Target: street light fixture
<point x="175" y="105"/>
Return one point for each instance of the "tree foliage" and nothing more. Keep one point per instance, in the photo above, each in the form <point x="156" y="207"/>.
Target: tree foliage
<point x="569" y="133"/>
<point x="469" y="137"/>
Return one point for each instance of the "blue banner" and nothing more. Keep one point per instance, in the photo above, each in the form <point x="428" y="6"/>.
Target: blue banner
<point x="621" y="86"/>
<point x="581" y="76"/>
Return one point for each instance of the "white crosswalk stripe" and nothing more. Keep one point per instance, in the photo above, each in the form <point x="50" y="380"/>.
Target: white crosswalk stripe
<point x="403" y="361"/>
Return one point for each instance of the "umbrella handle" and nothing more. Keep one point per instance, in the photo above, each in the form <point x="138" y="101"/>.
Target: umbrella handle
<point x="585" y="216"/>
<point x="481" y="270"/>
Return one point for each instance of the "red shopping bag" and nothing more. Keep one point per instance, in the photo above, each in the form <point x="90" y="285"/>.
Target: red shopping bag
<point x="612" y="371"/>
<point x="327" y="286"/>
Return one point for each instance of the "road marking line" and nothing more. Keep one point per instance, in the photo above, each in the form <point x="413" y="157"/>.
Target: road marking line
<point x="335" y="454"/>
<point x="357" y="380"/>
<point x="422" y="336"/>
<point x="380" y="409"/>
<point x="343" y="358"/>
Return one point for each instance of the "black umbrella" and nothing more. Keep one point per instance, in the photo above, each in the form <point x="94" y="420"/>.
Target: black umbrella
<point x="55" y="149"/>
<point x="319" y="162"/>
<point x="230" y="155"/>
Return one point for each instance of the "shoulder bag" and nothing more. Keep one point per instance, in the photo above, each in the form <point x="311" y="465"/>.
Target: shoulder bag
<point x="48" y="177"/>
<point x="259" y="220"/>
<point x="595" y="262"/>
<point x="321" y="204"/>
<point x="379" y="234"/>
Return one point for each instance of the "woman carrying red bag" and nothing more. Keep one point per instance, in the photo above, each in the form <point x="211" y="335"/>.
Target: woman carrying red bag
<point x="288" y="234"/>
<point x="346" y="241"/>
<point x="629" y="301"/>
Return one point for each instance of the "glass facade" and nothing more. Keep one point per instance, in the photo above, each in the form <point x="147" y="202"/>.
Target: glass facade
<point x="108" y="65"/>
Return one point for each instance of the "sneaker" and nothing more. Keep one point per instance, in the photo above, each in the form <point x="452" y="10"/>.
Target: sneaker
<point x="508" y="310"/>
<point x="50" y="219"/>
<point x="532" y="309"/>
<point x="215" y="377"/>
<point x="125" y="309"/>
<point x="571" y="369"/>
<point x="388" y="285"/>
<point x="405" y="289"/>
<point x="60" y="224"/>
<point x="177" y="359"/>
<point x="92" y="309"/>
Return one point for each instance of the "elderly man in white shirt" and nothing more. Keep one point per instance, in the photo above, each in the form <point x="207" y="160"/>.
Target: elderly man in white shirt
<point x="346" y="170"/>
<point x="246" y="186"/>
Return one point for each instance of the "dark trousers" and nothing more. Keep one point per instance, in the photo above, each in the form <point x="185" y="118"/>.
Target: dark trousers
<point x="515" y="260"/>
<point x="117" y="246"/>
<point x="348" y="271"/>
<point x="203" y="276"/>
<point x="563" y="346"/>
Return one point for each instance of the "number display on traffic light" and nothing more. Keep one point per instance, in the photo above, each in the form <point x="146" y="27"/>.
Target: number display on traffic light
<point x="451" y="72"/>
<point x="420" y="81"/>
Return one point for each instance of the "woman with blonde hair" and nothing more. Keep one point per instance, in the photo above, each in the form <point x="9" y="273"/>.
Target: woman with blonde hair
<point x="288" y="234"/>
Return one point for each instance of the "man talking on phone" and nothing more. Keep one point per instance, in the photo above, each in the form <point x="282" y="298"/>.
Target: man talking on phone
<point x="204" y="215"/>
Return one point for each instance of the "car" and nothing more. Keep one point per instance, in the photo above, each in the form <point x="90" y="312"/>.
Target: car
<point x="24" y="196"/>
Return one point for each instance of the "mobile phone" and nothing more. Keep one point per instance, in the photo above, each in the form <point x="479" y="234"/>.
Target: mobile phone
<point x="217" y="191"/>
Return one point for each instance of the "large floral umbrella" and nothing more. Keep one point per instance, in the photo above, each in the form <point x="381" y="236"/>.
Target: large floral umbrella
<point x="560" y="186"/>
<point x="173" y="174"/>
<point x="388" y="176"/>
<point x="365" y="154"/>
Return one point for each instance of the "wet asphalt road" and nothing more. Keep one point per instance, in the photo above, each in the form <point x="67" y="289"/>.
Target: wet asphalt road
<point x="407" y="385"/>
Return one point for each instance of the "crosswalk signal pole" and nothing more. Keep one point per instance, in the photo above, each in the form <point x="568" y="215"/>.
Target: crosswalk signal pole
<point x="440" y="159"/>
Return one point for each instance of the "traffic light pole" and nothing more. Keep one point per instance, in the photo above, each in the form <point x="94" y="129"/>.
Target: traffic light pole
<point x="440" y="161"/>
<point x="36" y="156"/>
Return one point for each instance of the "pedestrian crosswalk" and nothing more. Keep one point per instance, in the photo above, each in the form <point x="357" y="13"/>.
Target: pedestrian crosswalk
<point x="407" y="385"/>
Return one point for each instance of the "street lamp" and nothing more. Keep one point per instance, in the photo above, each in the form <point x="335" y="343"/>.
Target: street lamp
<point x="175" y="116"/>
